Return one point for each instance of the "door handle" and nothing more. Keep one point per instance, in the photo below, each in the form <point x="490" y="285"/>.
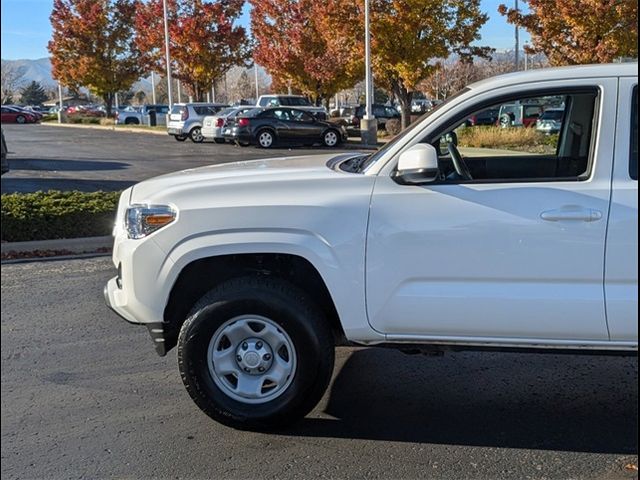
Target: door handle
<point x="575" y="214"/>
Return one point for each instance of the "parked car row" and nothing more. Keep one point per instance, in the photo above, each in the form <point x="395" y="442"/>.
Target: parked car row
<point x="276" y="119"/>
<point x="545" y="119"/>
<point x="16" y="114"/>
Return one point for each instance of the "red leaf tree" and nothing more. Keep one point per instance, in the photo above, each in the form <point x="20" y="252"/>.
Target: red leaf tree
<point x="204" y="42"/>
<point x="313" y="46"/>
<point x="93" y="46"/>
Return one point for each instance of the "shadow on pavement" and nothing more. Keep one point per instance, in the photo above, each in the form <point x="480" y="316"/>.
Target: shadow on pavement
<point x="34" y="184"/>
<point x="43" y="164"/>
<point x="529" y="401"/>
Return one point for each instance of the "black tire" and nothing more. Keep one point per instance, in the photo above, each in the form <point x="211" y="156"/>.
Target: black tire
<point x="262" y="138"/>
<point x="196" y="135"/>
<point x="21" y="119"/>
<point x="331" y="138"/>
<point x="219" y="140"/>
<point x="179" y="138"/>
<point x="132" y="121"/>
<point x="295" y="313"/>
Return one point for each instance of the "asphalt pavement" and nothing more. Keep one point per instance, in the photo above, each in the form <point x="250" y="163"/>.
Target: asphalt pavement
<point x="85" y="396"/>
<point x="44" y="157"/>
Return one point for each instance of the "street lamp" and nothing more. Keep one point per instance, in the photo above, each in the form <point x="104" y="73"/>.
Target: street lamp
<point x="517" y="41"/>
<point x="368" y="123"/>
<point x="166" y="49"/>
<point x="255" y="72"/>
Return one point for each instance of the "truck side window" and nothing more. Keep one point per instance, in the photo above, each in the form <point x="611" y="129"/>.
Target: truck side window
<point x="545" y="137"/>
<point x="633" y="154"/>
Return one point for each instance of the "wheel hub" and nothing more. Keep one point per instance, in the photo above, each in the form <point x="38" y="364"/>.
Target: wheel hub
<point x="254" y="356"/>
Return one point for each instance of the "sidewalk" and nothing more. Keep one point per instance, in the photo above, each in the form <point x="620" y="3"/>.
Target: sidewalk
<point x="59" y="248"/>
<point x="111" y="128"/>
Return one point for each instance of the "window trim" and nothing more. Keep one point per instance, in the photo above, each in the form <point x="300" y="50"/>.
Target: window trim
<point x="633" y="134"/>
<point x="550" y="91"/>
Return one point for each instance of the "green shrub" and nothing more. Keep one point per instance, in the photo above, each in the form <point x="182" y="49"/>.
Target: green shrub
<point x="55" y="214"/>
<point x="50" y="117"/>
<point x="83" y="119"/>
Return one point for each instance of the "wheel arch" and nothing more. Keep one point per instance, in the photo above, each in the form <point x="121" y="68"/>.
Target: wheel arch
<point x="203" y="274"/>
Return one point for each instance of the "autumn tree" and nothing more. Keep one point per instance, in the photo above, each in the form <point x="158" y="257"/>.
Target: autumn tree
<point x="93" y="46"/>
<point x="408" y="36"/>
<point x="571" y="32"/>
<point x="204" y="41"/>
<point x="33" y="94"/>
<point x="314" y="47"/>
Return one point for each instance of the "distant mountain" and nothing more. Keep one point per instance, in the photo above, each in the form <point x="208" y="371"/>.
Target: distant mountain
<point x="30" y="70"/>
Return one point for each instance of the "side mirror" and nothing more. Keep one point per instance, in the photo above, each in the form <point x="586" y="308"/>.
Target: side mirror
<point x="417" y="165"/>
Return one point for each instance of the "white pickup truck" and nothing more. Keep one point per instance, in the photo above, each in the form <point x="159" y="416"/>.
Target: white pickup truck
<point x="256" y="270"/>
<point x="295" y="101"/>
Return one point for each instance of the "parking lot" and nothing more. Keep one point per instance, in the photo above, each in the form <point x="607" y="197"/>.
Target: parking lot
<point x="44" y="157"/>
<point x="85" y="396"/>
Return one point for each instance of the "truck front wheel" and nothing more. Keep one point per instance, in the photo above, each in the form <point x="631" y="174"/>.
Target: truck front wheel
<point x="256" y="353"/>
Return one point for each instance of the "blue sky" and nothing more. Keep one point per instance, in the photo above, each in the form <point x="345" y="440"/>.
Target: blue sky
<point x="26" y="29"/>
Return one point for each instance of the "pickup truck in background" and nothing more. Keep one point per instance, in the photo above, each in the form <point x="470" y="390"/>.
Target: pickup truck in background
<point x="142" y="115"/>
<point x="257" y="270"/>
<point x="294" y="101"/>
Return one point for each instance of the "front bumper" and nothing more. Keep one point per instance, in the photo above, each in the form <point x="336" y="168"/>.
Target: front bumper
<point x="156" y="329"/>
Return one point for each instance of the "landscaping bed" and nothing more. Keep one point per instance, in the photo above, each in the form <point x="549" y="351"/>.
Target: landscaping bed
<point x="54" y="214"/>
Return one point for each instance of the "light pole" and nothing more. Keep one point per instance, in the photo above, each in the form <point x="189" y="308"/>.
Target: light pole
<point x="368" y="123"/>
<point x="166" y="50"/>
<point x="517" y="42"/>
<point x="60" y="104"/>
<point x="255" y="71"/>
<point x="153" y="87"/>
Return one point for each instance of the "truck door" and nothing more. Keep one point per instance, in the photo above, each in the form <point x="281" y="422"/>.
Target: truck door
<point x="621" y="259"/>
<point x="516" y="251"/>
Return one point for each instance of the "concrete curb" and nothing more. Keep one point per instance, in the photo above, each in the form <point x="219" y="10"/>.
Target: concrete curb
<point x="73" y="245"/>
<point x="106" y="127"/>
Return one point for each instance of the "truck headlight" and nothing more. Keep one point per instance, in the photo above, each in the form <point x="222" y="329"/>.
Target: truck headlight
<point x="141" y="220"/>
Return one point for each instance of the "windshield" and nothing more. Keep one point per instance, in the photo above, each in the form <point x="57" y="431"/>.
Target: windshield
<point x="251" y="112"/>
<point x="296" y="102"/>
<point x="374" y="157"/>
<point x="226" y="111"/>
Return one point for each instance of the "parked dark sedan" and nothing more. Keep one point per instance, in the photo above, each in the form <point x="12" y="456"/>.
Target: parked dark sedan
<point x="382" y="113"/>
<point x="266" y="127"/>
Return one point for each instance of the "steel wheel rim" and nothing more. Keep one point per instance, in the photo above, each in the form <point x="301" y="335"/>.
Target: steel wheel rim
<point x="251" y="359"/>
<point x="265" y="139"/>
<point x="20" y="119"/>
<point x="196" y="134"/>
<point x="330" y="139"/>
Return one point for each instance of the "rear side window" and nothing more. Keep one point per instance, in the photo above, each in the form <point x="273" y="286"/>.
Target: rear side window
<point x="633" y="154"/>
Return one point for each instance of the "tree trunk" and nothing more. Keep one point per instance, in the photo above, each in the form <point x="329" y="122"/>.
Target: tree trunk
<point x="404" y="97"/>
<point x="108" y="101"/>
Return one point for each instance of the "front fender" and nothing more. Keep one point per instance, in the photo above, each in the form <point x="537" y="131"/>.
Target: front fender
<point x="343" y="274"/>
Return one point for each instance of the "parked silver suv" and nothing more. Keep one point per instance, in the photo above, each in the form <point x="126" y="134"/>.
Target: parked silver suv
<point x="185" y="119"/>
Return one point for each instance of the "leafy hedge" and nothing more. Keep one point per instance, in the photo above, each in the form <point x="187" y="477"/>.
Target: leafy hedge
<point x="55" y="214"/>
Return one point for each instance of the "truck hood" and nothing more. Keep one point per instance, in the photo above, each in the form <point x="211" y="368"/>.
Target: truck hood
<point x="272" y="170"/>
